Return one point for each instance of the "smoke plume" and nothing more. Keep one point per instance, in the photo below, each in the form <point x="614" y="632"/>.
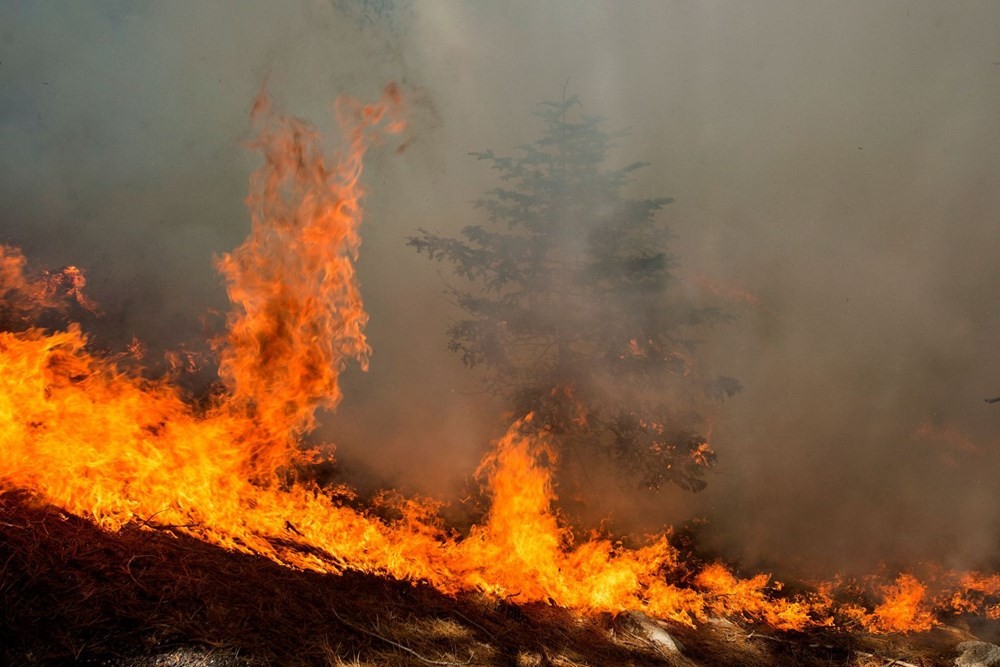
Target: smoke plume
<point x="833" y="167"/>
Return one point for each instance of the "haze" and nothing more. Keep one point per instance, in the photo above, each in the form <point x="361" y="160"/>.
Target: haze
<point x="836" y="160"/>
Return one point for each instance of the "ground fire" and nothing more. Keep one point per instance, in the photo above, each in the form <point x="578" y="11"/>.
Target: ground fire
<point x="95" y="437"/>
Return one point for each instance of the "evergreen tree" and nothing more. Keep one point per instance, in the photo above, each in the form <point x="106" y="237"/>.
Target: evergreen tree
<point x="569" y="307"/>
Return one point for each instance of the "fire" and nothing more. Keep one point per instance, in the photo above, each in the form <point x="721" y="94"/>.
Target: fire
<point x="729" y="292"/>
<point x="85" y="434"/>
<point x="524" y="552"/>
<point x="25" y="297"/>
<point x="750" y="598"/>
<point x="298" y="316"/>
<point x="974" y="593"/>
<point x="902" y="609"/>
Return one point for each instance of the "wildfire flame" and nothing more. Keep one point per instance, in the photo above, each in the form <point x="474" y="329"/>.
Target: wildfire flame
<point x="83" y="434"/>
<point x="24" y="297"/>
<point x="298" y="316"/>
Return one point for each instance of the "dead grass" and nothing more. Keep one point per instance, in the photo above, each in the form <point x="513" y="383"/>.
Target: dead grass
<point x="140" y="598"/>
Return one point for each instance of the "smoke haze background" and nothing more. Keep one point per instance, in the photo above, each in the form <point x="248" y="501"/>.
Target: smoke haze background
<point x="837" y="160"/>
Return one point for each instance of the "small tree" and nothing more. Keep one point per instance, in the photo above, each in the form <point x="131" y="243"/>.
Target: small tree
<point x="569" y="311"/>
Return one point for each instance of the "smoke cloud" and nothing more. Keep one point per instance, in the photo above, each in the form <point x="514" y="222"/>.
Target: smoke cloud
<point x="834" y="170"/>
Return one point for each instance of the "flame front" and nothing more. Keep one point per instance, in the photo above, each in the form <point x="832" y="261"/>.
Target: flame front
<point x="83" y="434"/>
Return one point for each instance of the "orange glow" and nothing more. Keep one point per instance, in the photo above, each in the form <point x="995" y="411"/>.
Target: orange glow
<point x="729" y="292"/>
<point x="84" y="434"/>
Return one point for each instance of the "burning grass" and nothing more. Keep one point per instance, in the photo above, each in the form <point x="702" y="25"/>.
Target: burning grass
<point x="74" y="592"/>
<point x="196" y="534"/>
<point x="147" y="597"/>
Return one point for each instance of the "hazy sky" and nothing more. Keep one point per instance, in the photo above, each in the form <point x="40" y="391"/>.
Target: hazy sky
<point x="837" y="160"/>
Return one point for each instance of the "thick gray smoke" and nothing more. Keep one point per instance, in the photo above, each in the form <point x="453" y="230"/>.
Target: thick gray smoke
<point x="834" y="166"/>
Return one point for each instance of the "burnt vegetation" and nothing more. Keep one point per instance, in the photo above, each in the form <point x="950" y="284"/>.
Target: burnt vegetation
<point x="71" y="593"/>
<point x="571" y="307"/>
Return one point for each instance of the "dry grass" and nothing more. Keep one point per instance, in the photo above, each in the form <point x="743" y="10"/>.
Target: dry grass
<point x="72" y="593"/>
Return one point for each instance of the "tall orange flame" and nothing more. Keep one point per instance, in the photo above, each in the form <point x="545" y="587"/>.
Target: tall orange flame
<point x="298" y="315"/>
